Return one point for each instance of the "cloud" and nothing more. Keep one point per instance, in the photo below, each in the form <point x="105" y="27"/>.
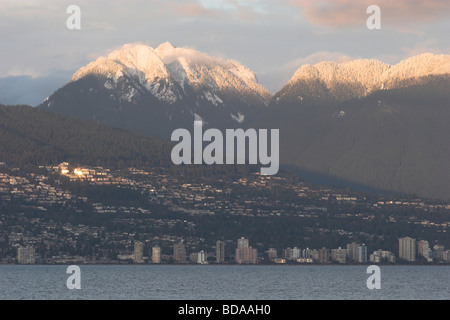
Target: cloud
<point x="188" y="9"/>
<point x="225" y="10"/>
<point x="98" y="25"/>
<point x="394" y="13"/>
<point x="317" y="57"/>
<point x="272" y="38"/>
<point x="169" y="53"/>
<point x="427" y="46"/>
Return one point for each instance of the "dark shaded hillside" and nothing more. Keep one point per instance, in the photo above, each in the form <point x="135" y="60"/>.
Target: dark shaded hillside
<point x="394" y="140"/>
<point x="32" y="136"/>
<point x="88" y="99"/>
<point x="155" y="91"/>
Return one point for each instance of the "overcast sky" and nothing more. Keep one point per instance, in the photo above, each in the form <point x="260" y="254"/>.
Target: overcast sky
<point x="38" y="53"/>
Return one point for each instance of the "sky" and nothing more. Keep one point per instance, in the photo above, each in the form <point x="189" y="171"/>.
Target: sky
<point x="39" y="53"/>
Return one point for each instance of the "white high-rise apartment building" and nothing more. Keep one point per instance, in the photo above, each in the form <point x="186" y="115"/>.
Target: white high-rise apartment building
<point x="26" y="255"/>
<point x="201" y="257"/>
<point x="407" y="249"/>
<point x="242" y="243"/>
<point x="156" y="254"/>
<point x="362" y="253"/>
<point x="138" y="252"/>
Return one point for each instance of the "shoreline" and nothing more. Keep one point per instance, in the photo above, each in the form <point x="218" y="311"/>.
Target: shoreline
<point x="234" y="265"/>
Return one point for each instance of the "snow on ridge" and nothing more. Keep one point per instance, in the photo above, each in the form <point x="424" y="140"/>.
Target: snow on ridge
<point x="373" y="74"/>
<point x="239" y="118"/>
<point x="213" y="98"/>
<point x="158" y="69"/>
<point x="201" y="69"/>
<point x="168" y="53"/>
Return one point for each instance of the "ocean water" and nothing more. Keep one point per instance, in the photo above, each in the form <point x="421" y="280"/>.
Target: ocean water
<point x="220" y="282"/>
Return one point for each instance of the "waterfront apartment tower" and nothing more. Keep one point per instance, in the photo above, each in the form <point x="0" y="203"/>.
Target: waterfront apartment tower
<point x="138" y="252"/>
<point x="244" y="252"/>
<point x="324" y="256"/>
<point x="201" y="257"/>
<point x="272" y="253"/>
<point x="424" y="250"/>
<point x="246" y="255"/>
<point x="339" y="255"/>
<point x="179" y="252"/>
<point x="220" y="251"/>
<point x="26" y="255"/>
<point x="295" y="253"/>
<point x="362" y="253"/>
<point x="407" y="249"/>
<point x="352" y="251"/>
<point x="156" y="254"/>
<point x="242" y="243"/>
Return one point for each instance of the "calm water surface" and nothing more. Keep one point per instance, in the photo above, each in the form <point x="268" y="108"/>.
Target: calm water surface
<point x="189" y="282"/>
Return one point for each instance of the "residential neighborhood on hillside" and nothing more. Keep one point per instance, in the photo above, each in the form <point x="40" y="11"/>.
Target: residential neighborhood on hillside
<point x="82" y="214"/>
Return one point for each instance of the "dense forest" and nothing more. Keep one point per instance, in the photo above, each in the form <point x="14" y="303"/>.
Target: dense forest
<point x="31" y="137"/>
<point x="394" y="140"/>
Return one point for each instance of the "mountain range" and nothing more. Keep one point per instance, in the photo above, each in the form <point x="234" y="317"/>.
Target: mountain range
<point x="362" y="123"/>
<point x="368" y="125"/>
<point x="154" y="91"/>
<point x="331" y="83"/>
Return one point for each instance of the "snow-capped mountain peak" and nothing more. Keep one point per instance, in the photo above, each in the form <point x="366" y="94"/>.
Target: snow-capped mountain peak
<point x="152" y="90"/>
<point x="360" y="77"/>
<point x="136" y="62"/>
<point x="158" y="69"/>
<point x="140" y="57"/>
<point x="165" y="49"/>
<point x="131" y="56"/>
